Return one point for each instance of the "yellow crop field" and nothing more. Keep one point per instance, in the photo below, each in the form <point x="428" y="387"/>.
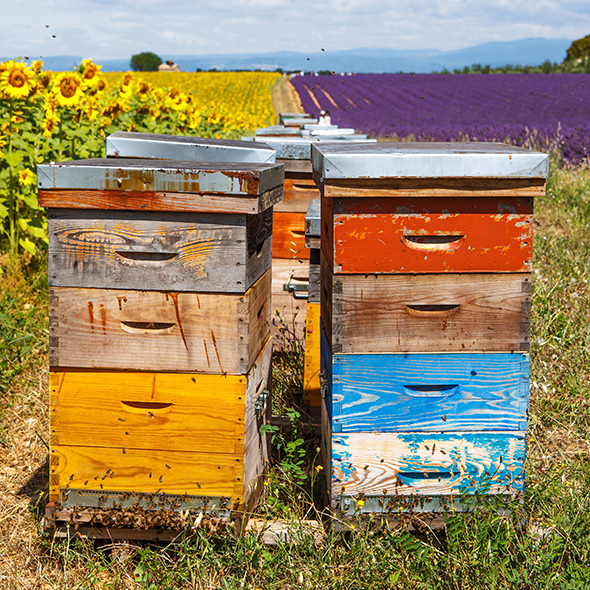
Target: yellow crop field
<point x="241" y="99"/>
<point x="46" y="116"/>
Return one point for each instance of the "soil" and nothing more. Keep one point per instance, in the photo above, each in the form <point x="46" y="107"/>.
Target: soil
<point x="285" y="98"/>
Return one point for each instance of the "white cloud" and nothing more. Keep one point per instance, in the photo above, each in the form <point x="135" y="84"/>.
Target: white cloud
<point x="110" y="29"/>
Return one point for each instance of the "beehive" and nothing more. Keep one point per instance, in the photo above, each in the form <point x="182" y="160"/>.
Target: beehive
<point x="425" y="308"/>
<point x="159" y="338"/>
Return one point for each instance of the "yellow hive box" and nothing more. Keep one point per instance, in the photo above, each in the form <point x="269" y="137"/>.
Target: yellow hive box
<point x="190" y="440"/>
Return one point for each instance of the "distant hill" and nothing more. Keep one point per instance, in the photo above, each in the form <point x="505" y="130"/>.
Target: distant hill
<point x="531" y="52"/>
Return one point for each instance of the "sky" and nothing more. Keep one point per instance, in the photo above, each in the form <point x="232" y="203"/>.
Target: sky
<point x="117" y="29"/>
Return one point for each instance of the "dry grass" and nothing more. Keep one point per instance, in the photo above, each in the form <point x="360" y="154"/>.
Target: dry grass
<point x="551" y="551"/>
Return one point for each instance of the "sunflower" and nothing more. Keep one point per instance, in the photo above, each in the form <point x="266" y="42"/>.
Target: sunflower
<point x="90" y="72"/>
<point x="91" y="109"/>
<point x="68" y="89"/>
<point x="17" y="80"/>
<point x="126" y="87"/>
<point x="38" y="65"/>
<point x="26" y="177"/>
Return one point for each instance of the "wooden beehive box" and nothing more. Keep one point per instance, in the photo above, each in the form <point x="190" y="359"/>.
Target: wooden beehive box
<point x="425" y="308"/>
<point x="160" y="346"/>
<point x="170" y="440"/>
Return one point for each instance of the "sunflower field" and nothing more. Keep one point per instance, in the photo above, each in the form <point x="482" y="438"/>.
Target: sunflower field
<point x="47" y="116"/>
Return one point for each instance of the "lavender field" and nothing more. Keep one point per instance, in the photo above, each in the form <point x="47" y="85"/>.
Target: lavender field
<point x="550" y="112"/>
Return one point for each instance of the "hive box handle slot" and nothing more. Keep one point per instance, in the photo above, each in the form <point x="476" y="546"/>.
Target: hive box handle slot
<point x="430" y="390"/>
<point x="433" y="243"/>
<point x="150" y="408"/>
<point x="432" y="311"/>
<point x="147" y="327"/>
<point x="144" y="258"/>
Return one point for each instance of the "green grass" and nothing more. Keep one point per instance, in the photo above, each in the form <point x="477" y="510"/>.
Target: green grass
<point x="480" y="550"/>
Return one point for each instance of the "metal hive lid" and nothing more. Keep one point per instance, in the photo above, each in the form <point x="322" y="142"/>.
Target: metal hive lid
<point x="124" y="144"/>
<point x="299" y="148"/>
<point x="122" y="174"/>
<point x="427" y="160"/>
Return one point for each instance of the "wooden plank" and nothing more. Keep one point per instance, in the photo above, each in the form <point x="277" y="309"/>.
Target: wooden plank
<point x="256" y="452"/>
<point x="426" y="313"/>
<point x="158" y="331"/>
<point x="315" y="283"/>
<point x="141" y="470"/>
<point x="288" y="311"/>
<point x="312" y="364"/>
<point x="391" y="235"/>
<point x="297" y="166"/>
<point x="158" y="251"/>
<point x="427" y="464"/>
<point x="435" y="187"/>
<point x="428" y="392"/>
<point x="159" y="201"/>
<point x="288" y="235"/>
<point x="299" y="190"/>
<point x="150" y="411"/>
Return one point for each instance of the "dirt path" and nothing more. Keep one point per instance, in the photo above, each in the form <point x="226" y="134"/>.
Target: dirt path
<point x="285" y="98"/>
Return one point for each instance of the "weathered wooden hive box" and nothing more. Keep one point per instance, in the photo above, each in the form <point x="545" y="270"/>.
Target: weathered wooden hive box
<point x="425" y="306"/>
<point x="159" y="338"/>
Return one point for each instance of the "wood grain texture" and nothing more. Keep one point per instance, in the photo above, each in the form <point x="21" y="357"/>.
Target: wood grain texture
<point x="158" y="331"/>
<point x="427" y="464"/>
<point x="288" y="312"/>
<point x="298" y="192"/>
<point x="312" y="363"/>
<point x="256" y="452"/>
<point x="315" y="283"/>
<point x="434" y="187"/>
<point x="428" y="392"/>
<point x="402" y="235"/>
<point x="158" y="251"/>
<point x="293" y="167"/>
<point x="159" y="201"/>
<point x="288" y="235"/>
<point x="150" y="411"/>
<point x="140" y="470"/>
<point x="426" y="313"/>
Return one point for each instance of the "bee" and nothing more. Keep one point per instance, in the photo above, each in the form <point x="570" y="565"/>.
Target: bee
<point x="124" y="451"/>
<point x="168" y="466"/>
<point x="161" y="478"/>
<point x="71" y="477"/>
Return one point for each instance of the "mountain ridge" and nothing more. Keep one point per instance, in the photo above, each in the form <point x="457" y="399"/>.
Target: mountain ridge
<point x="532" y="52"/>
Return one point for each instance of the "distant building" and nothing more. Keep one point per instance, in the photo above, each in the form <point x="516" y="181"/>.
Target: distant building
<point x="169" y="66"/>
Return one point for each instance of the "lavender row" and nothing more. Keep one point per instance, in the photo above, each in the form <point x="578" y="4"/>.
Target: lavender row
<point x="550" y="112"/>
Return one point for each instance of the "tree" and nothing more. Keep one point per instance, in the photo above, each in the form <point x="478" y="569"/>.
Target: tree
<point x="578" y="49"/>
<point x="145" y="62"/>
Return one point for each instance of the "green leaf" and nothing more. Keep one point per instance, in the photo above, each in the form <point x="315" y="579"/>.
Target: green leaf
<point x="13" y="159"/>
<point x="27" y="245"/>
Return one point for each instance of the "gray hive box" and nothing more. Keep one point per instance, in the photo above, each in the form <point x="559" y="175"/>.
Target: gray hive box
<point x="162" y="224"/>
<point x="123" y="144"/>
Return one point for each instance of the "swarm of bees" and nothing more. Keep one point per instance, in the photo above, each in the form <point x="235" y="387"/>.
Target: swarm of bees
<point x="155" y="510"/>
